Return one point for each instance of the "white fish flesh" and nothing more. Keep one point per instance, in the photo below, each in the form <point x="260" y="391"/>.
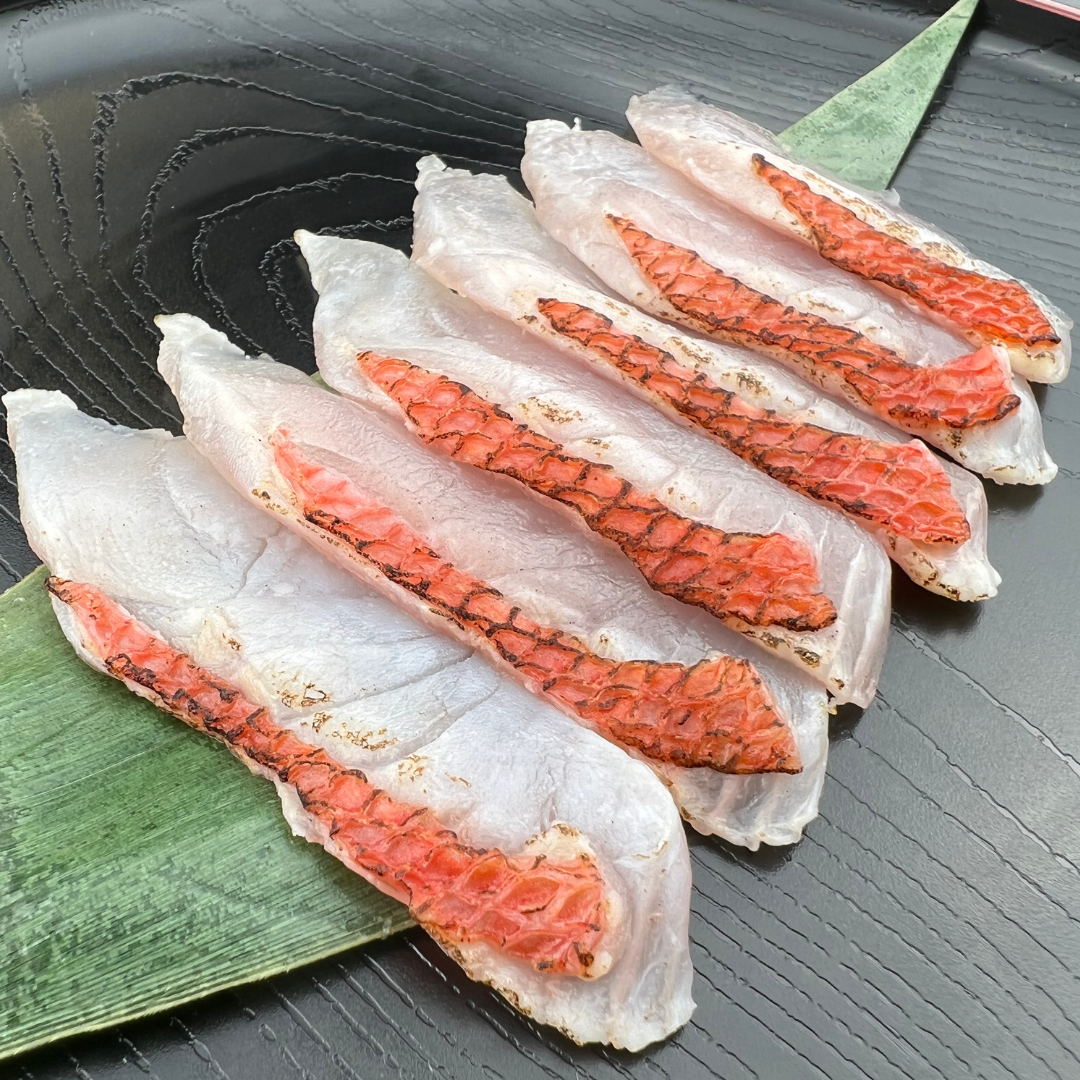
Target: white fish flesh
<point x="479" y="557"/>
<point x="160" y="555"/>
<point x="481" y="238"/>
<point x="661" y="242"/>
<point x="860" y="231"/>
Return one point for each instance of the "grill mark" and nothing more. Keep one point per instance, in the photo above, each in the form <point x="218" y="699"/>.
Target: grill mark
<point x="1000" y="310"/>
<point x="965" y="392"/>
<point x="764" y="580"/>
<point x="718" y="713"/>
<point x="548" y="913"/>
<point x="894" y="485"/>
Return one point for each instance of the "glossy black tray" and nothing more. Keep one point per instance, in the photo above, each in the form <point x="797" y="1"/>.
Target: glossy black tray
<point x="158" y="157"/>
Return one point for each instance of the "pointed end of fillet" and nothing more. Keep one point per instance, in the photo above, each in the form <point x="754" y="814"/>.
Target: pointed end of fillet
<point x="321" y="253"/>
<point x="22" y="403"/>
<point x="751" y="734"/>
<point x="720" y="714"/>
<point x="772" y="750"/>
<point x="429" y="168"/>
<point x="537" y="132"/>
<point x="817" y="614"/>
<point x="188" y="343"/>
<point x="778" y="586"/>
<point x="769" y="744"/>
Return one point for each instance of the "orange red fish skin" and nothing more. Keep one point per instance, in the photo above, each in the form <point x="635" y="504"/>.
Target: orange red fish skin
<point x="764" y="580"/>
<point x="550" y="914"/>
<point x="995" y="308"/>
<point x="961" y="393"/>
<point x="717" y="713"/>
<point x="894" y="485"/>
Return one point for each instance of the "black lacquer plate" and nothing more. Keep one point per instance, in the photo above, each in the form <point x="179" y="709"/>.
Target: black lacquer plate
<point x="158" y="156"/>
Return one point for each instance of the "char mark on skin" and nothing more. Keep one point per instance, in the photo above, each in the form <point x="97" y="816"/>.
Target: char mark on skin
<point x="717" y="713"/>
<point x="895" y="485"/>
<point x="1000" y="310"/>
<point x="762" y="580"/>
<point x="963" y="393"/>
<point x="550" y="914"/>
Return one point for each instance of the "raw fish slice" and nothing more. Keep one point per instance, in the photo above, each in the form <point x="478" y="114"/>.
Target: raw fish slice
<point x="716" y="714"/>
<point x="481" y="238"/>
<point x="551" y="914"/>
<point x="494" y="534"/>
<point x="678" y="253"/>
<point x="858" y="231"/>
<point x="540" y="856"/>
<point x="373" y="302"/>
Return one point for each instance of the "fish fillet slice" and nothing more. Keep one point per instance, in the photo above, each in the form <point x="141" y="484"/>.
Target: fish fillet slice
<point x="717" y="714"/>
<point x="889" y="484"/>
<point x="526" y="549"/>
<point x="373" y="300"/>
<point x="961" y="393"/>
<point x="692" y="259"/>
<point x="496" y="817"/>
<point x="550" y="914"/>
<point x="762" y="580"/>
<point x="482" y="239"/>
<point x="857" y="231"/>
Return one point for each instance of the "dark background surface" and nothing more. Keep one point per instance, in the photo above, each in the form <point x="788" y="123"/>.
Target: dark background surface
<point x="158" y="157"/>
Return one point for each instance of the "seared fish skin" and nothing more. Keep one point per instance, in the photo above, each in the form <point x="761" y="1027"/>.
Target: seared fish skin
<point x="857" y="231"/>
<point x="409" y="758"/>
<point x="677" y="252"/>
<point x="468" y="552"/>
<point x="481" y="238"/>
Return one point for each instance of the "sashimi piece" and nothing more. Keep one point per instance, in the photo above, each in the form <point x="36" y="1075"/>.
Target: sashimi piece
<point x="548" y="913"/>
<point x="678" y="253"/>
<point x="457" y="547"/>
<point x="373" y="302"/>
<point x="858" y="231"/>
<point x="716" y="714"/>
<point x="543" y="859"/>
<point x="482" y="239"/>
<point x="762" y="580"/>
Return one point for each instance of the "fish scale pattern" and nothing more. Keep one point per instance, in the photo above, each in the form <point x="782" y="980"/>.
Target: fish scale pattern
<point x="551" y="914"/>
<point x="999" y="309"/>
<point x="961" y="393"/>
<point x="899" y="486"/>
<point x="717" y="713"/>
<point x="764" y="580"/>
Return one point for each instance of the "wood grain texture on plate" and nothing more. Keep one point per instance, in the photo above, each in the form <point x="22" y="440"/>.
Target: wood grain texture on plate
<point x="139" y="867"/>
<point x="160" y="156"/>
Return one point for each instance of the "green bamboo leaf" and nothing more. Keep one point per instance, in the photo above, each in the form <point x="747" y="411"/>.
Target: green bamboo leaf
<point x="862" y="134"/>
<point x="140" y="864"/>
